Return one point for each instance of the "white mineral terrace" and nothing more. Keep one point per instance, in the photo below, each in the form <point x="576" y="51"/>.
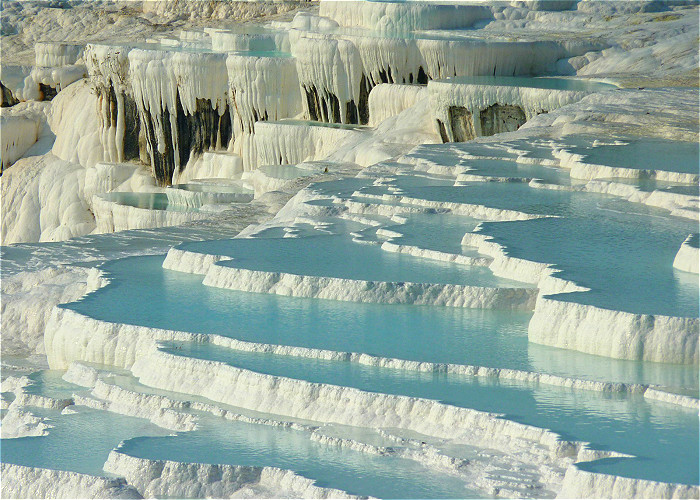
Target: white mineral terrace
<point x="349" y="249"/>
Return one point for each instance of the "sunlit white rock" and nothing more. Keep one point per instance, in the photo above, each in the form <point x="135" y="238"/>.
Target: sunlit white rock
<point x="31" y="482"/>
<point x="165" y="478"/>
<point x="583" y="484"/>
<point x="369" y="291"/>
<point x="688" y="257"/>
<point x="57" y="54"/>
<point x="615" y="334"/>
<point x="28" y="298"/>
<point x="387" y="100"/>
<point x="21" y="423"/>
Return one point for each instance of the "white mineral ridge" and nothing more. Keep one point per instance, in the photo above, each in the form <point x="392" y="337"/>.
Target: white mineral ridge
<point x="194" y="9"/>
<point x="330" y="65"/>
<point x="680" y="205"/>
<point x="688" y="256"/>
<point x="120" y="345"/>
<point x="77" y="127"/>
<point x="193" y="199"/>
<point x="473" y="56"/>
<point x="289" y="143"/>
<point x="369" y="291"/>
<point x="13" y="77"/>
<point x="108" y="68"/>
<point x="152" y="406"/>
<point x="580" y="169"/>
<point x="427" y="455"/>
<point x="591" y="329"/>
<point x="162" y="79"/>
<point x="29" y="297"/>
<point x="106" y="177"/>
<point x="158" y="77"/>
<point x="583" y="484"/>
<point x="45" y="198"/>
<point x="425" y="253"/>
<point x="190" y="262"/>
<point x="616" y="334"/>
<point x="344" y="405"/>
<point x="165" y="478"/>
<point x="675" y="54"/>
<point x="233" y="41"/>
<point x="22" y="138"/>
<point x="21" y="423"/>
<point x="670" y="398"/>
<point x="667" y="113"/>
<point x="263" y="182"/>
<point x="159" y="410"/>
<point x="474" y="211"/>
<point x="502" y="264"/>
<point x="71" y="336"/>
<point x="31" y="482"/>
<point x="81" y="374"/>
<point x="14" y="384"/>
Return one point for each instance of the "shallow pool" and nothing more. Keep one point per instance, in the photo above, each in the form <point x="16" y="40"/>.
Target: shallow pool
<point x="151" y="296"/>
<point x="623" y="423"/>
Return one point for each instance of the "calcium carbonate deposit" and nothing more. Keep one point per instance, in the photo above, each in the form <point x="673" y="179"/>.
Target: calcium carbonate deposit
<point x="349" y="249"/>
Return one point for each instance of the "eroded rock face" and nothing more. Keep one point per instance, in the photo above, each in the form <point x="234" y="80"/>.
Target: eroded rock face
<point x="119" y="112"/>
<point x="442" y="131"/>
<point x="193" y="133"/>
<point x="462" y="124"/>
<point x="47" y="92"/>
<point x="325" y="106"/>
<point x="499" y="118"/>
<point x="7" y="99"/>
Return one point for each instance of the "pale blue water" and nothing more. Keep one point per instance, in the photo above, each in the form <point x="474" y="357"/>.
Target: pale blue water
<point x="627" y="262"/>
<point x="78" y="442"/>
<point x="642" y="154"/>
<point x="441" y="232"/>
<point x="506" y="168"/>
<point x="623" y="251"/>
<point x="240" y="443"/>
